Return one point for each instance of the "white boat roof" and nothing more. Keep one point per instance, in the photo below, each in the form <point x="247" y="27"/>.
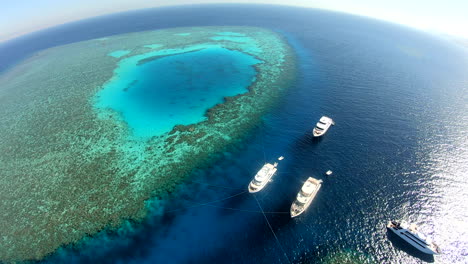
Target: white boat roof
<point x="308" y="187"/>
<point x="302" y="199"/>
<point x="325" y="119"/>
<point x="322" y="126"/>
<point x="264" y="172"/>
<point x="404" y="224"/>
<point x="413" y="228"/>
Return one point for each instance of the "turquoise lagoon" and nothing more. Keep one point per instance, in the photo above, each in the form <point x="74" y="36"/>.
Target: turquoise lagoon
<point x="154" y="93"/>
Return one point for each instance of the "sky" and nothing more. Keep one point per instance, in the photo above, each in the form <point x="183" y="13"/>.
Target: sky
<point x="448" y="17"/>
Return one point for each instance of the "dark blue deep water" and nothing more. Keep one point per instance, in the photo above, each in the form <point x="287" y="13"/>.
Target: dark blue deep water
<point x="398" y="149"/>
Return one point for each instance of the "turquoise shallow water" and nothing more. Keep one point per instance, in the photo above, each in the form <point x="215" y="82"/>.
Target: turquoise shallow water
<point x="154" y="95"/>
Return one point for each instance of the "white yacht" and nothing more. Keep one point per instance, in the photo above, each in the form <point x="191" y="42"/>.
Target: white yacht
<point x="262" y="177"/>
<point x="322" y="126"/>
<point x="410" y="233"/>
<point x="305" y="196"/>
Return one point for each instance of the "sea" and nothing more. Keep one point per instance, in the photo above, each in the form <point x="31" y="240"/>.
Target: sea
<point x="182" y="97"/>
<point x="398" y="150"/>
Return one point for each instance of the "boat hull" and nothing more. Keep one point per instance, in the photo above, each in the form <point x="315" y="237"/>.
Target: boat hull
<point x="296" y="210"/>
<point x="253" y="189"/>
<point x="316" y="132"/>
<point x="295" y="213"/>
<point x="412" y="241"/>
<point x="319" y="133"/>
<point x="256" y="188"/>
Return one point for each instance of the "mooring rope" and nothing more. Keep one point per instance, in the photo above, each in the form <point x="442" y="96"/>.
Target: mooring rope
<point x="247" y="211"/>
<point x="268" y="222"/>
<point x="210" y="204"/>
<point x="218" y="186"/>
<point x="202" y="204"/>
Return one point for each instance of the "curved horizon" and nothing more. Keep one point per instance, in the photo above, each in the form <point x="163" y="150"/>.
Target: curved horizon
<point x="96" y="170"/>
<point x="43" y="21"/>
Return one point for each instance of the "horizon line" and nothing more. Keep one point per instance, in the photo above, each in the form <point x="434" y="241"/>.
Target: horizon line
<point x="52" y="26"/>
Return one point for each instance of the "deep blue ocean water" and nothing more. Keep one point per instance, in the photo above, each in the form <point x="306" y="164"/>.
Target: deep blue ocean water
<point x="398" y="149"/>
<point x="155" y="96"/>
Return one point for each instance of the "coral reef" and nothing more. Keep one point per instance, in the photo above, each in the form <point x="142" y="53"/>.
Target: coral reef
<point x="69" y="170"/>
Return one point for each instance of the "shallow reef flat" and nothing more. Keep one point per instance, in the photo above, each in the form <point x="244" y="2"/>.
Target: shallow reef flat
<point x="70" y="167"/>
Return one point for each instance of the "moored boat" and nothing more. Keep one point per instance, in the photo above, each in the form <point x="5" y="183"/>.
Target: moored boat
<point x="410" y="233"/>
<point x="322" y="126"/>
<point x="305" y="196"/>
<point x="262" y="177"/>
